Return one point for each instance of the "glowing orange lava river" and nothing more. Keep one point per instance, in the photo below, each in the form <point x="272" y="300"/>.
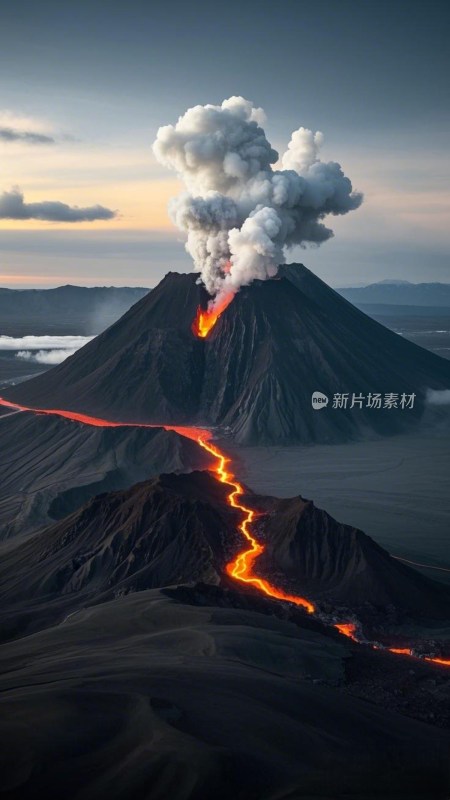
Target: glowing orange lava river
<point x="241" y="568"/>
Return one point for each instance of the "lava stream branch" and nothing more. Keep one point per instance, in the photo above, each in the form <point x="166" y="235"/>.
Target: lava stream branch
<point x="241" y="568"/>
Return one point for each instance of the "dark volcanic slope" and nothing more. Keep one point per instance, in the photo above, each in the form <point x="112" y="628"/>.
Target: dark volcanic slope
<point x="274" y="345"/>
<point x="326" y="559"/>
<point x="172" y="529"/>
<point x="145" y="697"/>
<point x="147" y="367"/>
<point x="179" y="529"/>
<point x="160" y="532"/>
<point x="50" y="466"/>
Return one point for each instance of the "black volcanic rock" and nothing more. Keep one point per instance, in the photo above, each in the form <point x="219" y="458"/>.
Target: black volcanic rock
<point x="146" y="367"/>
<point x="145" y="697"/>
<point x="329" y="560"/>
<point x="277" y="343"/>
<point x="179" y="529"/>
<point x="169" y="530"/>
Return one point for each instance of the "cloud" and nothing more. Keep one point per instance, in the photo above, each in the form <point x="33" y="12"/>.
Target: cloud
<point x="28" y="130"/>
<point x="12" y="206"/>
<point x="241" y="214"/>
<point x="436" y="397"/>
<point x="46" y="356"/>
<point x="43" y="342"/>
<point x="8" y="134"/>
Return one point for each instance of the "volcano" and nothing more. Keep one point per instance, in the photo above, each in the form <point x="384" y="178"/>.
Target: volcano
<point x="253" y="375"/>
<point x="180" y="529"/>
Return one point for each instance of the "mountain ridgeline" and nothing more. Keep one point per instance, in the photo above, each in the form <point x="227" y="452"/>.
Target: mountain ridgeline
<point x="400" y="293"/>
<point x="179" y="529"/>
<point x="253" y="376"/>
<point x="65" y="309"/>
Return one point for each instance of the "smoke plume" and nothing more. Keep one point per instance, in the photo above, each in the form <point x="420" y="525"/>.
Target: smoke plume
<point x="239" y="213"/>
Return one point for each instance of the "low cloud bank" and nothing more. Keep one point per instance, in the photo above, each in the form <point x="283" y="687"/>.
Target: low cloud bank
<point x="46" y="356"/>
<point x="43" y="342"/>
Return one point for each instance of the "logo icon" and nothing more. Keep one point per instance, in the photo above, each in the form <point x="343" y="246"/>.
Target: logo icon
<point x="319" y="400"/>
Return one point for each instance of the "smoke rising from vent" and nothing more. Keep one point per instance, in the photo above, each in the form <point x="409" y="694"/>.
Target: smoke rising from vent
<point x="239" y="213"/>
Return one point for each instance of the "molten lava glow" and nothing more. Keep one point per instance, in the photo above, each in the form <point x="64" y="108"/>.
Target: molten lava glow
<point x="347" y="629"/>
<point x="206" y="319"/>
<point x="444" y="661"/>
<point x="98" y="422"/>
<point x="241" y="568"/>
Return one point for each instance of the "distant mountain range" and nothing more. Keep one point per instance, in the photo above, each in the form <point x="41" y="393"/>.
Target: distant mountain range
<point x="74" y="309"/>
<point x="402" y="293"/>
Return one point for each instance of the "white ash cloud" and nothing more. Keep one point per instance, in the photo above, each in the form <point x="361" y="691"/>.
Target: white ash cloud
<point x="43" y="342"/>
<point x="239" y="212"/>
<point x="13" y="206"/>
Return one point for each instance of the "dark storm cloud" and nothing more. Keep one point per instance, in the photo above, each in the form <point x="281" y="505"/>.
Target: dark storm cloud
<point x="8" y="134"/>
<point x="12" y="206"/>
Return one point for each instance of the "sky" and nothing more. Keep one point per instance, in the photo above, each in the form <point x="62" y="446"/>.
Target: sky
<point x="85" y="86"/>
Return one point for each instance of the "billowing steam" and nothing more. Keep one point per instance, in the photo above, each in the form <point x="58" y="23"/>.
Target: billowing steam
<point x="239" y="213"/>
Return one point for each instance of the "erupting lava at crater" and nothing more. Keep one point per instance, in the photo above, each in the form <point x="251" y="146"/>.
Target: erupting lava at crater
<point x="205" y="319"/>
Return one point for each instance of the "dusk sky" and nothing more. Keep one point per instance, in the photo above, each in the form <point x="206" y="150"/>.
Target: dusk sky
<point x="85" y="87"/>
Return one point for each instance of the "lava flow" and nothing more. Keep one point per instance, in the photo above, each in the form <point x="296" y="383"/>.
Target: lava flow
<point x="205" y="319"/>
<point x="241" y="568"/>
<point x="347" y="629"/>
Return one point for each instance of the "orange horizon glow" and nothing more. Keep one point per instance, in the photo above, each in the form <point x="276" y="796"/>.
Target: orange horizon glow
<point x="206" y="319"/>
<point x="241" y="567"/>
